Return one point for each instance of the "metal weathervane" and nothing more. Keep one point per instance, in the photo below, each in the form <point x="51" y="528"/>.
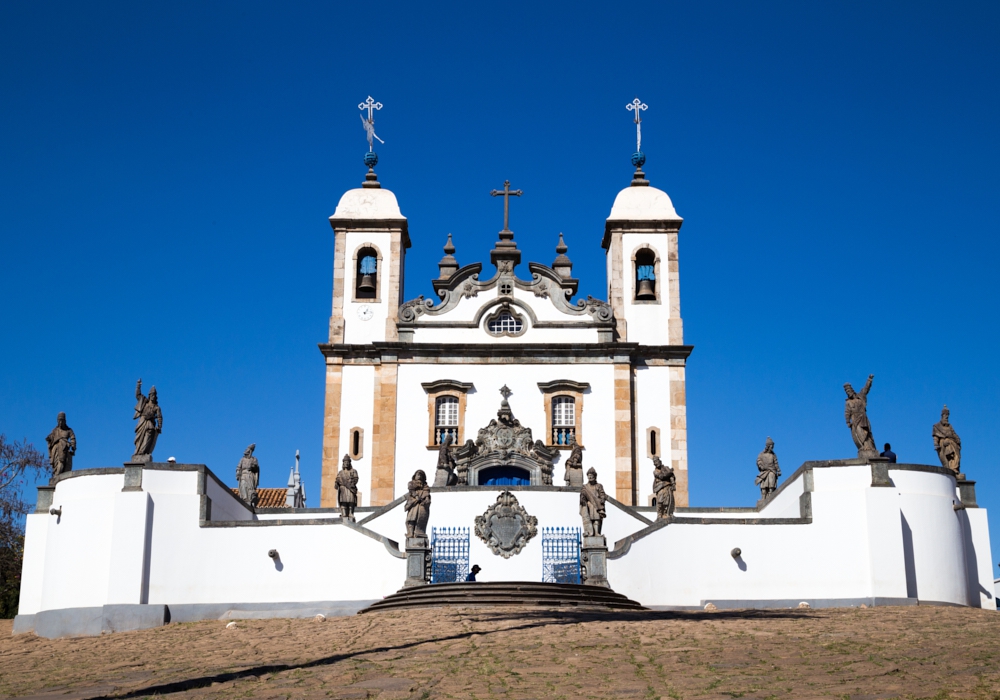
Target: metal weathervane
<point x="369" y="123"/>
<point x="635" y="106"/>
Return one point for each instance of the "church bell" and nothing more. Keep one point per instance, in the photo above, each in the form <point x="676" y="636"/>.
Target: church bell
<point x="367" y="284"/>
<point x="645" y="290"/>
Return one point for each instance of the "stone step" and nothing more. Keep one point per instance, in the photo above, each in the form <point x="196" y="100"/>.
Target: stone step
<point x="502" y="593"/>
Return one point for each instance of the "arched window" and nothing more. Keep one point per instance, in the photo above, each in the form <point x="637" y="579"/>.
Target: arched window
<point x="505" y="323"/>
<point x="563" y="420"/>
<point x="366" y="279"/>
<point x="446" y="419"/>
<point x="645" y="275"/>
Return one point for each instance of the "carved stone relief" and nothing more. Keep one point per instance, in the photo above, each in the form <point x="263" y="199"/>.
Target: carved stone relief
<point x="506" y="527"/>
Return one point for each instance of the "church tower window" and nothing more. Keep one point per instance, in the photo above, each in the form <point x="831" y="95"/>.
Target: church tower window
<point x="446" y="419"/>
<point x="367" y="268"/>
<point x="645" y="276"/>
<point x="563" y="420"/>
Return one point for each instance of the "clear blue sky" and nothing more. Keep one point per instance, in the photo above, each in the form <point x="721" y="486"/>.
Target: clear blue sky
<point x="167" y="169"/>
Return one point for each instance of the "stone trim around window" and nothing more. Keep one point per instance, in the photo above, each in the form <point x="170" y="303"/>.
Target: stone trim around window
<point x="654" y="447"/>
<point x="439" y="389"/>
<point x="378" y="275"/>
<point x="507" y="308"/>
<point x="553" y="390"/>
<point x="656" y="273"/>
<point x="356" y="443"/>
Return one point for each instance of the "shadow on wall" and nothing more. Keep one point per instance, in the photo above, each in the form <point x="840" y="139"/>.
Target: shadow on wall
<point x="908" y="563"/>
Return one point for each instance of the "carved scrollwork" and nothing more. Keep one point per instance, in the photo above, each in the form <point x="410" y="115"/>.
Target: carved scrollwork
<point x="506" y="527"/>
<point x="598" y="309"/>
<point x="415" y="307"/>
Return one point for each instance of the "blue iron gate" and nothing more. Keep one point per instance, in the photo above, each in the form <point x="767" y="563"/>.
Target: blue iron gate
<point x="449" y="554"/>
<point x="561" y="555"/>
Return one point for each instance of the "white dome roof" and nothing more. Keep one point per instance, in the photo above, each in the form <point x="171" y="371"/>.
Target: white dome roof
<point x="643" y="203"/>
<point x="368" y="203"/>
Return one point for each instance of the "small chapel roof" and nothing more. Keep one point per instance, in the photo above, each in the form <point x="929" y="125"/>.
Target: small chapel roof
<point x="368" y="203"/>
<point x="643" y="204"/>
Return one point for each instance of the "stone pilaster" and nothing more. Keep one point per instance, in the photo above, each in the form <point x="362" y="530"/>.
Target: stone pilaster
<point x="675" y="326"/>
<point x="394" y="296"/>
<point x="337" y="314"/>
<point x="616" y="285"/>
<point x="331" y="432"/>
<point x="384" y="431"/>
<point x="678" y="434"/>
<point x="624" y="481"/>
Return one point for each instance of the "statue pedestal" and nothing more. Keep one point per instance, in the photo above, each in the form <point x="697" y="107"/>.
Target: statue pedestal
<point x="594" y="555"/>
<point x="967" y="492"/>
<point x="418" y="561"/>
<point x="140" y="459"/>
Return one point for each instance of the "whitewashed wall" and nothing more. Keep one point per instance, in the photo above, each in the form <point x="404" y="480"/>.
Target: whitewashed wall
<point x="110" y="546"/>
<point x="357" y="407"/>
<point x="356" y="331"/>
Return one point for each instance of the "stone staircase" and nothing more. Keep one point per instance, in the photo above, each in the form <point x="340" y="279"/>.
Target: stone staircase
<point x="501" y="593"/>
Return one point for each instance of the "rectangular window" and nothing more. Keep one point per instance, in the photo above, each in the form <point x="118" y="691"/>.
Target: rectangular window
<point x="563" y="420"/>
<point x="446" y="419"/>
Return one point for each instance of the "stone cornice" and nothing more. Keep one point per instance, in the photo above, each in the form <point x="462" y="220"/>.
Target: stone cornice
<point x="639" y="226"/>
<point x="376" y="225"/>
<point x="446" y="384"/>
<point x="563" y="385"/>
<point x="487" y="353"/>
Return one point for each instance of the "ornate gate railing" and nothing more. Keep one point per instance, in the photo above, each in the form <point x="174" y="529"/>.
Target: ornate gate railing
<point x="561" y="555"/>
<point x="449" y="554"/>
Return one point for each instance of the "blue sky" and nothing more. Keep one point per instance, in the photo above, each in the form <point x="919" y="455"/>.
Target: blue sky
<point x="167" y="169"/>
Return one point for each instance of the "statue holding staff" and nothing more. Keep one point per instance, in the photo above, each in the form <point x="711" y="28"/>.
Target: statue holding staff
<point x="150" y="425"/>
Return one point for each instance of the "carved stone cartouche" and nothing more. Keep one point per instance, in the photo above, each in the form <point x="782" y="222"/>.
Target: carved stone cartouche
<point x="506" y="527"/>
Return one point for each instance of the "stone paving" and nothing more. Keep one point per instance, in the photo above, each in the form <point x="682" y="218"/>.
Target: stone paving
<point x="916" y="652"/>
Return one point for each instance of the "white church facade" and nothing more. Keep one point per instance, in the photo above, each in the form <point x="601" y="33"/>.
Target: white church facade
<point x="513" y="371"/>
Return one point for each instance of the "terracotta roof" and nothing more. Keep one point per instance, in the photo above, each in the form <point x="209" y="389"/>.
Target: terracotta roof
<point x="269" y="498"/>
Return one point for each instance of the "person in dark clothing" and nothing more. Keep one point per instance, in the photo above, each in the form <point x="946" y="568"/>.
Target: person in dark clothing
<point x="472" y="574"/>
<point x="889" y="454"/>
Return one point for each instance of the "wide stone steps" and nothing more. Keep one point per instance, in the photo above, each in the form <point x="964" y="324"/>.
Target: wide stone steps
<point x="499" y="593"/>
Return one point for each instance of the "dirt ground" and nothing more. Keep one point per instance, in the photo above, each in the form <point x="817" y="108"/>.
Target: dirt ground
<point x="917" y="652"/>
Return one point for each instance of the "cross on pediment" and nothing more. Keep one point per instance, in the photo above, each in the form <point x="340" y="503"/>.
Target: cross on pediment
<point x="507" y="193"/>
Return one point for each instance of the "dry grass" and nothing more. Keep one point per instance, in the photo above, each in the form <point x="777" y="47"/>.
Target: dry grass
<point x="919" y="652"/>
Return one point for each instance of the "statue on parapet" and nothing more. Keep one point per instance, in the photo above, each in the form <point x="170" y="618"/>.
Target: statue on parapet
<point x="248" y="476"/>
<point x="150" y="425"/>
<point x="62" y="446"/>
<point x="445" y="474"/>
<point x="856" y="415"/>
<point x="592" y="500"/>
<point x="769" y="471"/>
<point x="664" y="486"/>
<point x="947" y="443"/>
<point x="574" y="465"/>
<point x="347" y="488"/>
<point x="417" y="505"/>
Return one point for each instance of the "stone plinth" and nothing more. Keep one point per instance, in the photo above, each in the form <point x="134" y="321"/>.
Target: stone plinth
<point x="594" y="554"/>
<point x="967" y="492"/>
<point x="418" y="561"/>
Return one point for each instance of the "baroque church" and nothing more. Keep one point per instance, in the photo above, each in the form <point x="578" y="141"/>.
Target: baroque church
<point x="403" y="376"/>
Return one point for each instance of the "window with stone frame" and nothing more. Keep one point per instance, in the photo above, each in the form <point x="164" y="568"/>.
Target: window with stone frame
<point x="446" y="419"/>
<point x="563" y="420"/>
<point x="563" y="401"/>
<point x="505" y="321"/>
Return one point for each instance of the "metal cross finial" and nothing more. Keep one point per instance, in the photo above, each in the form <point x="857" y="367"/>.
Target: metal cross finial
<point x="369" y="123"/>
<point x="507" y="193"/>
<point x="505" y="392"/>
<point x="636" y="106"/>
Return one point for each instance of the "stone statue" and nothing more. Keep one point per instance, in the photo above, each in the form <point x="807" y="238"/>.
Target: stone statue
<point x="946" y="442"/>
<point x="664" y="485"/>
<point x="767" y="465"/>
<point x="445" y="474"/>
<point x="248" y="476"/>
<point x="150" y="424"/>
<point x="592" y="499"/>
<point x="417" y="505"/>
<point x="347" y="488"/>
<point x="62" y="446"/>
<point x="574" y="465"/>
<point x="856" y="415"/>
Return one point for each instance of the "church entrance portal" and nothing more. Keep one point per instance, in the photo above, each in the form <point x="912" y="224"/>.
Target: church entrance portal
<point x="504" y="476"/>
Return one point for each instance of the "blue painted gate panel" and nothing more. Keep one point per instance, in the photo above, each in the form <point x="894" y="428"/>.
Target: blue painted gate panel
<point x="561" y="555"/>
<point x="449" y="554"/>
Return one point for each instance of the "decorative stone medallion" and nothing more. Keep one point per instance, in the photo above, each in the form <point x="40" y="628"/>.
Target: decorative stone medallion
<point x="506" y="527"/>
